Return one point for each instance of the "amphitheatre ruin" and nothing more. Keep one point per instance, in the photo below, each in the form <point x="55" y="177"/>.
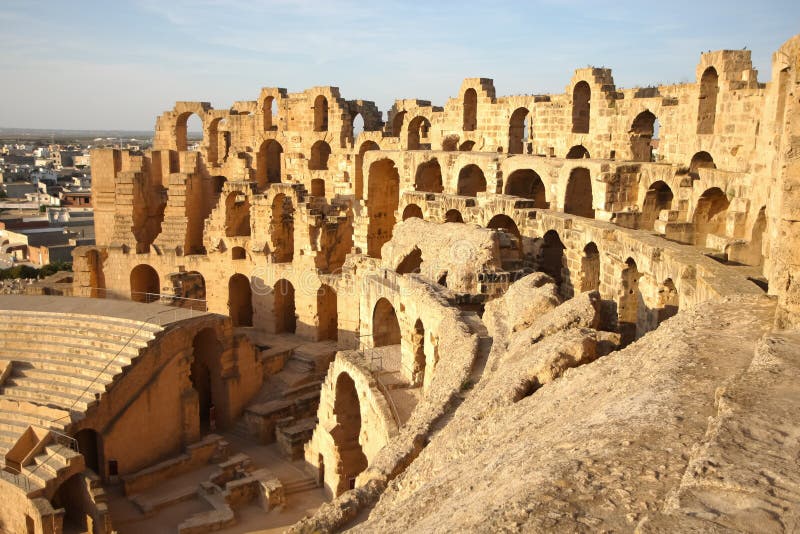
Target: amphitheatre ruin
<point x="555" y="312"/>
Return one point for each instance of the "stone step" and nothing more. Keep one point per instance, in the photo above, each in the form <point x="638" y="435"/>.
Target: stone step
<point x="94" y="384"/>
<point x="12" y="424"/>
<point x="35" y="347"/>
<point x="44" y="397"/>
<point x="80" y="320"/>
<point x="86" y="332"/>
<point x="106" y="371"/>
<point x="298" y="486"/>
<point x="22" y="417"/>
<point x="39" y="338"/>
<point x="54" y="383"/>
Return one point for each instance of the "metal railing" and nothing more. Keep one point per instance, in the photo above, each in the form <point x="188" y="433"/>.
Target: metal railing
<point x="389" y="400"/>
<point x="167" y="299"/>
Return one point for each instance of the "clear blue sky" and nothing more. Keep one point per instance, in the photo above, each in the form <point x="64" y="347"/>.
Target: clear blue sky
<point x="117" y="64"/>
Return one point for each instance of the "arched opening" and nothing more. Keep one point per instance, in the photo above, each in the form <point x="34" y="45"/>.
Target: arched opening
<point x="238" y="253"/>
<point x="642" y="131"/>
<point x="385" y="326"/>
<point x="471" y="181"/>
<point x="707" y="105"/>
<point x="268" y="163"/>
<point x="383" y="199"/>
<point x="701" y="160"/>
<point x="191" y="286"/>
<point x="581" y="95"/>
<point x="317" y="187"/>
<point x="327" y="314"/>
<point x="281" y="229"/>
<point x="578" y="152"/>
<point x="97" y="278"/>
<point x="269" y="108"/>
<point x="450" y="143"/>
<point x="145" y="284"/>
<point x="365" y="147"/>
<point x="657" y="198"/>
<point x="429" y="177"/>
<point x="526" y="183"/>
<point x="590" y="268"/>
<point x="240" y="300"/>
<point x="411" y="263"/>
<point x="668" y="300"/>
<point x="710" y="215"/>
<point x="470" y="110"/>
<point x="188" y="131"/>
<point x="71" y="495"/>
<point x="357" y="126"/>
<point x="285" y="316"/>
<point x="90" y="446"/>
<point x="346" y="434"/>
<point x="320" y="152"/>
<point x="237" y="215"/>
<point x="412" y="210"/>
<point x="418" y="130"/>
<point x="628" y="305"/>
<point x="218" y="146"/>
<point x="320" y="114"/>
<point x="397" y="123"/>
<point x="551" y="257"/>
<point x="518" y="131"/>
<point x="453" y="216"/>
<point x="206" y="350"/>
<point x="510" y="241"/>
<point x="418" y="348"/>
<point x="578" y="198"/>
<point x="466" y="146"/>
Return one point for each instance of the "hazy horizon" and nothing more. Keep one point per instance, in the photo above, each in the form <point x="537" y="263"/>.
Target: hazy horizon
<point x="117" y="66"/>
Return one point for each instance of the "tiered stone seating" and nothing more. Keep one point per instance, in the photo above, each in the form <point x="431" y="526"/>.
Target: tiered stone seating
<point x="62" y="361"/>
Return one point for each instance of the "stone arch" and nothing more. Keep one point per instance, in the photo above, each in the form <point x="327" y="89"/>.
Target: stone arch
<point x="590" y="268"/>
<point x="385" y="325"/>
<point x="429" y="177"/>
<point x="470" y="122"/>
<point x="710" y="215"/>
<point x="657" y="198"/>
<point x="578" y="196"/>
<point x="282" y="229"/>
<point x="466" y="146"/>
<point x="629" y="303"/>
<point x="453" y="216"/>
<point x="581" y="107"/>
<point x="510" y="240"/>
<point x="668" y="300"/>
<point x="269" y="109"/>
<point x="471" y="181"/>
<point x="411" y="262"/>
<point x="145" y="284"/>
<point x="327" y="314"/>
<point x="418" y="130"/>
<point x="240" y="300"/>
<point x="397" y="123"/>
<point x="418" y="351"/>
<point x="237" y="214"/>
<point x="359" y="185"/>
<point x="68" y="497"/>
<point x="518" y="131"/>
<point x="317" y="187"/>
<point x="238" y="253"/>
<point x="701" y="160"/>
<point x="268" y="163"/>
<point x="382" y="203"/>
<point x="346" y="433"/>
<point x="284" y="307"/>
<point x="356" y="125"/>
<point x="320" y="153"/>
<point x="182" y="129"/>
<point x="412" y="210"/>
<point x="320" y="114"/>
<point x="642" y="132"/>
<point x="707" y="101"/>
<point x="206" y="352"/>
<point x="527" y="183"/>
<point x="551" y="259"/>
<point x="578" y="152"/>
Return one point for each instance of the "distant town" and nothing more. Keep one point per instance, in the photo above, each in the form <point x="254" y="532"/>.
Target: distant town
<point x="46" y="202"/>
